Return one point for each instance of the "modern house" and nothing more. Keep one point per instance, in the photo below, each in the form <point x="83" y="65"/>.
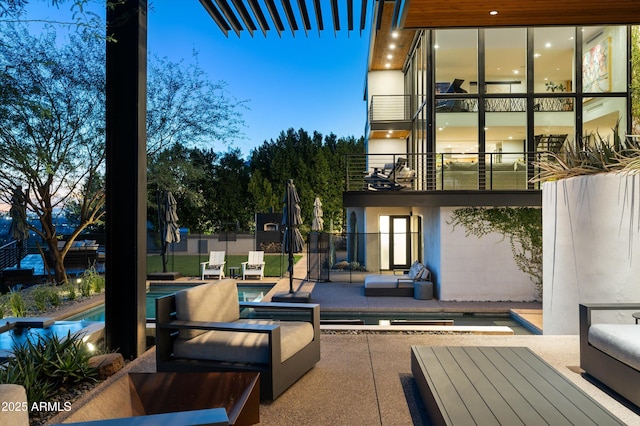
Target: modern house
<point x="420" y="62"/>
<point x="458" y="117"/>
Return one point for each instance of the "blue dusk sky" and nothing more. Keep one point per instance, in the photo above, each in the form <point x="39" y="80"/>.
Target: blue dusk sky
<point x="313" y="82"/>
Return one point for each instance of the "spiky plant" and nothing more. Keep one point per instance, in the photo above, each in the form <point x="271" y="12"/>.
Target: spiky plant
<point x="590" y="157"/>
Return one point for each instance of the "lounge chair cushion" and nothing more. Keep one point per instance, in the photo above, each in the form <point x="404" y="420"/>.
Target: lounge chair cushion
<point x="212" y="302"/>
<point x="253" y="266"/>
<point x="621" y="341"/>
<point x="245" y="347"/>
<point x="386" y="281"/>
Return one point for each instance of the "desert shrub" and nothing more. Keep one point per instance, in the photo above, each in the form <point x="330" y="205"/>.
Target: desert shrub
<point x="92" y="281"/>
<point x="17" y="304"/>
<point x="46" y="364"/>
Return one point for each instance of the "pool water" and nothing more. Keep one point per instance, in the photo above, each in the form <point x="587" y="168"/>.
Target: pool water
<point x="20" y="335"/>
<point x="414" y="318"/>
<point x="253" y="293"/>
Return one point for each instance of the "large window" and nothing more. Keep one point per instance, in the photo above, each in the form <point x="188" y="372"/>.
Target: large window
<point x="482" y="116"/>
<point x="554" y="59"/>
<point x="506" y="60"/>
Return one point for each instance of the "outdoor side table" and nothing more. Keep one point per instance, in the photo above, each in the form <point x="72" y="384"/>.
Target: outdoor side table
<point x="423" y="290"/>
<point x="636" y="315"/>
<point x="234" y="271"/>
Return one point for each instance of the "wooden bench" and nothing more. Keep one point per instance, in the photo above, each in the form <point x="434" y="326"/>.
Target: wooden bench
<point x="499" y="386"/>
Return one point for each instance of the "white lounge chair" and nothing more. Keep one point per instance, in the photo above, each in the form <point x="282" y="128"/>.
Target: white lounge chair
<point x="215" y="265"/>
<point x="254" y="265"/>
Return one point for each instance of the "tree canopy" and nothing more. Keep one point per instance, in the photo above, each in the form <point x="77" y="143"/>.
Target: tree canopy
<point x="52" y="128"/>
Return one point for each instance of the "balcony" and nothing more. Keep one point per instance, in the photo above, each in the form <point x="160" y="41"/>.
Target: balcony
<point x="390" y="112"/>
<point x="440" y="179"/>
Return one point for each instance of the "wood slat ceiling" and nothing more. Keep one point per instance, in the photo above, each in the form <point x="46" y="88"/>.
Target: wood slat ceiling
<point x="475" y="13"/>
<point x="384" y="39"/>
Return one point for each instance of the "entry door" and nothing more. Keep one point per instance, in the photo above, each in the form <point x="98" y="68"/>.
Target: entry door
<point x="395" y="242"/>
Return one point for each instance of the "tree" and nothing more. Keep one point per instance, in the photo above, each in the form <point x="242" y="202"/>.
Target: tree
<point x="52" y="129"/>
<point x="232" y="199"/>
<point x="189" y="174"/>
<point x="316" y="166"/>
<point x="185" y="107"/>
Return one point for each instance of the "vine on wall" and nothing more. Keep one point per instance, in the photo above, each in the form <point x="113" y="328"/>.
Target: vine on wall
<point x="521" y="225"/>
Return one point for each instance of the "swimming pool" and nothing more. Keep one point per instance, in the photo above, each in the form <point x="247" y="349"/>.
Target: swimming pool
<point x="252" y="293"/>
<point x="19" y="335"/>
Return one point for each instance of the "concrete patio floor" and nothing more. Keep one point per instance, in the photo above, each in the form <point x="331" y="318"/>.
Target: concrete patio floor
<point x="365" y="379"/>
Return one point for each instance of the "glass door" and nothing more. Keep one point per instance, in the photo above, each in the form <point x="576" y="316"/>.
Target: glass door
<point x="395" y="242"/>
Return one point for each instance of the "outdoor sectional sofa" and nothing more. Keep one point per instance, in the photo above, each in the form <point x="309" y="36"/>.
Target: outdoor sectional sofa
<point x="611" y="352"/>
<point x="396" y="285"/>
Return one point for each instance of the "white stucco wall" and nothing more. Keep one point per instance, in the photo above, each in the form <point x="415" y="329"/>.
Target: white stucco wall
<point x="385" y="83"/>
<point x="479" y="269"/>
<point x="591" y="246"/>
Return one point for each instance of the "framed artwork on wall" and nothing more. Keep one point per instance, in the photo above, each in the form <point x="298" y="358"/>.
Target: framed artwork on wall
<point x="596" y="67"/>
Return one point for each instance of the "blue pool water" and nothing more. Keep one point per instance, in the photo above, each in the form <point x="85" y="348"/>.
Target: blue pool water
<point x="253" y="293"/>
<point x="20" y="335"/>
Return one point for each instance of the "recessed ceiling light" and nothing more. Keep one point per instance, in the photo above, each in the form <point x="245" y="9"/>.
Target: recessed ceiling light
<point x="536" y="55"/>
<point x="516" y="72"/>
<point x="387" y="65"/>
<point x="436" y="46"/>
<point x="389" y="131"/>
<point x="394" y="34"/>
<point x="388" y="136"/>
<point x="392" y="46"/>
<point x="547" y="45"/>
<point x="389" y="56"/>
<point x="493" y="12"/>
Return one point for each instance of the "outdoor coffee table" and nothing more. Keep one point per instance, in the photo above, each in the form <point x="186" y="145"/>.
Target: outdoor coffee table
<point x="499" y="385"/>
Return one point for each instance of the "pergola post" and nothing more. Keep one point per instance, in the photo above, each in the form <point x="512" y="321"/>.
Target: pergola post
<point x="126" y="178"/>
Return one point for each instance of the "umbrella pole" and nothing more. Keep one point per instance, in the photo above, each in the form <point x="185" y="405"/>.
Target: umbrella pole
<point x="290" y="230"/>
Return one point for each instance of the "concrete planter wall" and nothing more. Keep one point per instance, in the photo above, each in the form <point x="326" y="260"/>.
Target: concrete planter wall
<point x="591" y="246"/>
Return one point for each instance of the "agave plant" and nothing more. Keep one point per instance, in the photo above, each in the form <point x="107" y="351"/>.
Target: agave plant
<point x="592" y="154"/>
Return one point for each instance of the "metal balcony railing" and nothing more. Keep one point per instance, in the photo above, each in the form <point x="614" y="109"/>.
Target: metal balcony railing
<point x="389" y="108"/>
<point x="442" y="171"/>
<point x="10" y="253"/>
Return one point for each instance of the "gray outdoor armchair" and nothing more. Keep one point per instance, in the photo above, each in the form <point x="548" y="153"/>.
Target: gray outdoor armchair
<point x="200" y="329"/>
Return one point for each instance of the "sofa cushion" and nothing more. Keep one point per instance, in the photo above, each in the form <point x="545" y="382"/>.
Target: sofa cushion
<point x="386" y="281"/>
<point x="212" y="302"/>
<point x="621" y="341"/>
<point x="232" y="346"/>
<point x="415" y="270"/>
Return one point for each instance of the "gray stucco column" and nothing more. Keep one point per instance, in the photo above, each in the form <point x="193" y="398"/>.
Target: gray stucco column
<point x="126" y="178"/>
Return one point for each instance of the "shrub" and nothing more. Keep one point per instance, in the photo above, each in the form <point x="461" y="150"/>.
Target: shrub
<point x="47" y="364"/>
<point x="91" y="281"/>
<point x="53" y="297"/>
<point x="41" y="298"/>
<point x="70" y="289"/>
<point x="17" y="305"/>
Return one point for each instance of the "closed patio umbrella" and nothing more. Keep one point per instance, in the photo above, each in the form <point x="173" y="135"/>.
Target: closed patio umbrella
<point x="168" y="218"/>
<point x="292" y="219"/>
<point x="19" y="229"/>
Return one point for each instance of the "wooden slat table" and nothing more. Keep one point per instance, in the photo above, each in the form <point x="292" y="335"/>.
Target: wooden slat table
<point x="499" y="386"/>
